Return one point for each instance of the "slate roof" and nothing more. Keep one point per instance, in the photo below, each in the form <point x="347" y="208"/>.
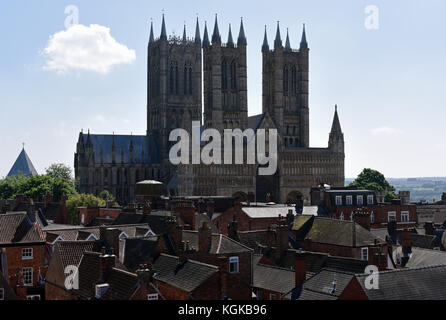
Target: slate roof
<point x="425" y="241"/>
<point x="426" y="283"/>
<point x="333" y="231"/>
<point x="103" y="143"/>
<point x="18" y="228"/>
<point x="319" y="287"/>
<point x="22" y="165"/>
<point x="421" y="257"/>
<point x="252" y="239"/>
<point x="268" y="211"/>
<point x="186" y="276"/>
<point x="157" y="222"/>
<point x="273" y="278"/>
<point x="71" y="252"/>
<point x="138" y="251"/>
<point x="122" y="285"/>
<point x="220" y="244"/>
<point x="255" y="121"/>
<point x="74" y="234"/>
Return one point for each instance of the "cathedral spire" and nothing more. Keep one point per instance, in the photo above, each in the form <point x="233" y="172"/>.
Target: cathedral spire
<point x="278" y="40"/>
<point x="265" y="46"/>
<point x="151" y="33"/>
<point x="197" y="33"/>
<point x="163" y="35"/>
<point x="241" y="36"/>
<point x="336" y="126"/>
<point x="216" y="34"/>
<point x="303" y="42"/>
<point x="230" y="41"/>
<point x="287" y="42"/>
<point x="205" y="37"/>
<point x="184" y="34"/>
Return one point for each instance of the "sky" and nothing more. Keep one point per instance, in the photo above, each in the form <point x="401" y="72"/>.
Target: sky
<point x="382" y="63"/>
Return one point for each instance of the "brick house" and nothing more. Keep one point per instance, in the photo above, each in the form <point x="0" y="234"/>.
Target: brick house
<point x="23" y="254"/>
<point x="343" y="203"/>
<point x="186" y="279"/>
<point x="341" y="238"/>
<point x="66" y="253"/>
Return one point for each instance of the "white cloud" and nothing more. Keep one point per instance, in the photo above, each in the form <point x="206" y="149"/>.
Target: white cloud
<point x="85" y="48"/>
<point x="385" y="131"/>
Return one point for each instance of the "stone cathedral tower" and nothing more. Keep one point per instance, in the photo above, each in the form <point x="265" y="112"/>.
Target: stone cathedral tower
<point x="173" y="85"/>
<point x="285" y="89"/>
<point x="225" y="80"/>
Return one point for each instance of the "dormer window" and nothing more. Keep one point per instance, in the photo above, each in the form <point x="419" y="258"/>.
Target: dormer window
<point x="123" y="235"/>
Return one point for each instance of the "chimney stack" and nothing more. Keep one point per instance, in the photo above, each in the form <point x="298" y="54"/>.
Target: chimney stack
<point x="106" y="262"/>
<point x="204" y="238"/>
<point x="429" y="228"/>
<point x="300" y="267"/>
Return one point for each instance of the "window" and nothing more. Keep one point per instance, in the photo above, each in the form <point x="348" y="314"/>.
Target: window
<point x="233" y="265"/>
<point x="259" y="295"/>
<point x="2" y="294"/>
<point x="233" y="76"/>
<point x="152" y="296"/>
<point x="372" y="217"/>
<point x="272" y="296"/>
<point x="293" y="80"/>
<point x="338" y="200"/>
<point x="123" y="235"/>
<point x="365" y="254"/>
<point x="370" y="199"/>
<point x="27" y="274"/>
<point x="391" y="216"/>
<point x="359" y="200"/>
<point x="349" y="200"/>
<point x="224" y="76"/>
<point x="341" y="216"/>
<point x="285" y="79"/>
<point x="404" y="216"/>
<point x="27" y="253"/>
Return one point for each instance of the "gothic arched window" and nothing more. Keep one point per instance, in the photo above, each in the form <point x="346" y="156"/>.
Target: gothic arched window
<point x="285" y="79"/>
<point x="185" y="80"/>
<point x="224" y="75"/>
<point x="294" y="80"/>
<point x="233" y="76"/>
<point x="176" y="79"/>
<point x="190" y="80"/>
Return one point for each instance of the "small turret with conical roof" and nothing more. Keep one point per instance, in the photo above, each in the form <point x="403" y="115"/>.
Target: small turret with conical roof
<point x="287" y="42"/>
<point x="230" y="41"/>
<point x="216" y="38"/>
<point x="151" y="38"/>
<point x="163" y="35"/>
<point x="197" y="33"/>
<point x="278" y="39"/>
<point x="241" y="36"/>
<point x="206" y="42"/>
<point x="265" y="46"/>
<point x="303" y="42"/>
<point x="336" y="139"/>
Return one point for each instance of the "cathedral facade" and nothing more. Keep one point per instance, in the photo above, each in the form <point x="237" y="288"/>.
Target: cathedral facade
<point x="177" y="70"/>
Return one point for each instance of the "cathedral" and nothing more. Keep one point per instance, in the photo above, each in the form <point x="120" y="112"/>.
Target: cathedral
<point x="184" y="75"/>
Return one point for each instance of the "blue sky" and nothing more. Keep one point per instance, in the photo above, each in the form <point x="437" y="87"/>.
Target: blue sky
<point x="388" y="83"/>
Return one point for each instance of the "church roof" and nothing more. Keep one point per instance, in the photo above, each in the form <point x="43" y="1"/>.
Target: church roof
<point x="142" y="145"/>
<point x="23" y="165"/>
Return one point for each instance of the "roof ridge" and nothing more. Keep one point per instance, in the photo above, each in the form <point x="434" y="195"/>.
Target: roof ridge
<point x="274" y="267"/>
<point x="189" y="260"/>
<point x="406" y="269"/>
<point x="236" y="242"/>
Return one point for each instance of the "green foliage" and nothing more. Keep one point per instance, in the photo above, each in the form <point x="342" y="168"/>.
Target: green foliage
<point x="106" y="195"/>
<point x="374" y="180"/>
<point x="82" y="200"/>
<point x="60" y="171"/>
<point x="56" y="182"/>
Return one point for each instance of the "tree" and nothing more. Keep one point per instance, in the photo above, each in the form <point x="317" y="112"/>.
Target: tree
<point x="370" y="179"/>
<point x="58" y="181"/>
<point x="106" y="195"/>
<point x="82" y="200"/>
<point x="61" y="171"/>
